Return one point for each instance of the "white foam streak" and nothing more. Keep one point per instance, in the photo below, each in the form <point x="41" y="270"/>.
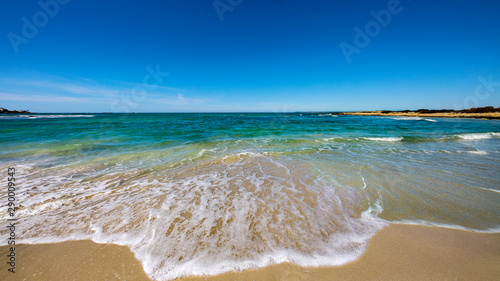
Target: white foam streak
<point x="443" y="225"/>
<point x="406" y="118"/>
<point x="61" y="116"/>
<point x="46" y="116"/>
<point x="386" y="139"/>
<point x="373" y="211"/>
<point x="413" y="119"/>
<point x="478" y="136"/>
<point x="478" y="152"/>
<point x="364" y="183"/>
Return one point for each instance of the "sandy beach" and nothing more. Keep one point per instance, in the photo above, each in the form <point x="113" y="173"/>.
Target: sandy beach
<point x="487" y="115"/>
<point x="398" y="252"/>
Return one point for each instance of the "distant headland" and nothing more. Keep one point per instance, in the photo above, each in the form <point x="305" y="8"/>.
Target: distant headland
<point x="5" y="110"/>
<point x="488" y="112"/>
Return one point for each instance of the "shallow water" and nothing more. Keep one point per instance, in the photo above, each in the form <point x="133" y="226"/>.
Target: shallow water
<point x="207" y="193"/>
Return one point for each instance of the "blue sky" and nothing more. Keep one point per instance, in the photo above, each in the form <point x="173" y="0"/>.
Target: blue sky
<point x="248" y="55"/>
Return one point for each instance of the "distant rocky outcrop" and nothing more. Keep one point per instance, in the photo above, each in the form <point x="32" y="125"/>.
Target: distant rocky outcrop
<point x="5" y="110"/>
<point x="487" y="112"/>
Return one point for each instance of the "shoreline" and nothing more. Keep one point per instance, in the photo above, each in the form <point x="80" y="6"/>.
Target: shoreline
<point x="397" y="252"/>
<point x="489" y="116"/>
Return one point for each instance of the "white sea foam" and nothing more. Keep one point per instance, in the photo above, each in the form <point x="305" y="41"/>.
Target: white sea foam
<point x="45" y="116"/>
<point x="383" y="139"/>
<point x="24" y="167"/>
<point x="413" y="119"/>
<point x="443" y="225"/>
<point x="374" y="211"/>
<point x="488" y="189"/>
<point x="386" y="139"/>
<point x="478" y="136"/>
<point x="407" y="118"/>
<point x="479" y="152"/>
<point x="328" y="139"/>
<point x="203" y="152"/>
<point x="246" y="211"/>
<point x="57" y="116"/>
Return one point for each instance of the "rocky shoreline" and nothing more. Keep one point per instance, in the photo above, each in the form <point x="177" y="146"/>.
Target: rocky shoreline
<point x="488" y="112"/>
<point x="5" y="110"/>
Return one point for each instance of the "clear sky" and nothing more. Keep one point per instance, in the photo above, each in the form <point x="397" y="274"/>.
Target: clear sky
<point x="248" y="55"/>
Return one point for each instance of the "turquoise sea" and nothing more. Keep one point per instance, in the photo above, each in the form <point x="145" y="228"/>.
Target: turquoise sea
<point x="207" y="193"/>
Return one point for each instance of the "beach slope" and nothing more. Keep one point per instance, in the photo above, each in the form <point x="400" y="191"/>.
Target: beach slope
<point x="398" y="252"/>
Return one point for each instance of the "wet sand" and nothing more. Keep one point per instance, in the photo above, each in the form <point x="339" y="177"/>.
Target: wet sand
<point x="398" y="252"/>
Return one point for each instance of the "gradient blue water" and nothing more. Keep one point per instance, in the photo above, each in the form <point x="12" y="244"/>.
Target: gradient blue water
<point x="245" y="190"/>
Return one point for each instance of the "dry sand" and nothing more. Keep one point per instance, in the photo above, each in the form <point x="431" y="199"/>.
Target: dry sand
<point x="489" y="115"/>
<point x="398" y="252"/>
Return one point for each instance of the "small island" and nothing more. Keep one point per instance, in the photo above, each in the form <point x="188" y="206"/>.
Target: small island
<point x="5" y="110"/>
<point x="488" y="112"/>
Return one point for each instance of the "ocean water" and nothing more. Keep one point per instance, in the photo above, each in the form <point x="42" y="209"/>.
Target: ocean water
<point x="195" y="194"/>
